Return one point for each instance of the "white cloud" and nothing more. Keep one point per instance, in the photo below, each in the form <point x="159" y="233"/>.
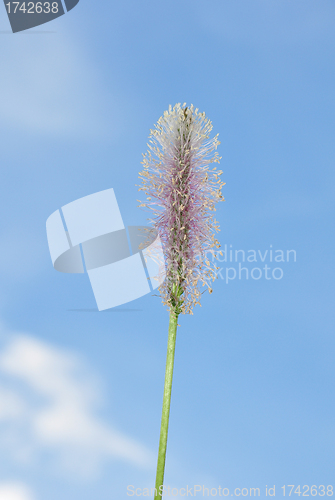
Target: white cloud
<point x="49" y="403"/>
<point x="15" y="491"/>
<point x="11" y="405"/>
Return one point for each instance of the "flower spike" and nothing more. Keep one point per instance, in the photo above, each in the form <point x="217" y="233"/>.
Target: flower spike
<point x="182" y="189"/>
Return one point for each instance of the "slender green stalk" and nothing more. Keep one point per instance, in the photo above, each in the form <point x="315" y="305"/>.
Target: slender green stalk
<point x="166" y="404"/>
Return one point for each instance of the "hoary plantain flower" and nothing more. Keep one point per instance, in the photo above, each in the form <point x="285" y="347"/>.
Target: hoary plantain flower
<point x="182" y="189"/>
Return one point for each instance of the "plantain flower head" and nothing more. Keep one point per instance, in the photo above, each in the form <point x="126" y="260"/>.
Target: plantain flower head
<point x="182" y="188"/>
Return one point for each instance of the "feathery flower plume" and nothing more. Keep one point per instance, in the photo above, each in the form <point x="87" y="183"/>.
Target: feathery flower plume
<point x="182" y="190"/>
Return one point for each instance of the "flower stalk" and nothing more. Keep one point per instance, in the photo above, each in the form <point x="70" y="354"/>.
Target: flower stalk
<point x="166" y="405"/>
<point x="182" y="190"/>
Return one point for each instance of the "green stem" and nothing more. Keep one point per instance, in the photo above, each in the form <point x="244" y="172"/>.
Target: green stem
<point x="166" y="404"/>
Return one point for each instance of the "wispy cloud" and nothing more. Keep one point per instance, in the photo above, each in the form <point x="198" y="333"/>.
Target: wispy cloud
<point x="48" y="402"/>
<point x="51" y="88"/>
<point x="22" y="253"/>
<point x="15" y="491"/>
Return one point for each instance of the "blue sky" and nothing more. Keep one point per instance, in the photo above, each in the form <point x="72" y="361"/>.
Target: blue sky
<point x="81" y="392"/>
